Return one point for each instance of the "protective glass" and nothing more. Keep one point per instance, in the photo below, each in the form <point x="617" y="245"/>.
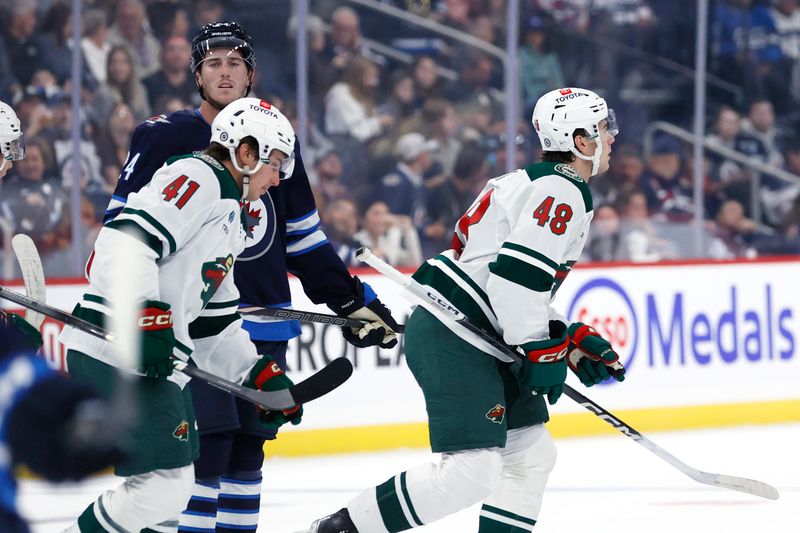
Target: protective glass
<point x="611" y="121"/>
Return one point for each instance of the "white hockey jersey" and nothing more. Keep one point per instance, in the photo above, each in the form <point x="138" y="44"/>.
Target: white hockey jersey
<point x="186" y="229"/>
<point x="512" y="249"/>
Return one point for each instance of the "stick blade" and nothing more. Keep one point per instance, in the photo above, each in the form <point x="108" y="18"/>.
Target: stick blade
<point x="750" y="486"/>
<point x="30" y="265"/>
<point x="334" y="374"/>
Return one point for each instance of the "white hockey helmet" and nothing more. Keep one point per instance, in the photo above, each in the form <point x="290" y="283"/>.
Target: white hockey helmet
<point x="12" y="143"/>
<point x="560" y="112"/>
<point x="252" y="117"/>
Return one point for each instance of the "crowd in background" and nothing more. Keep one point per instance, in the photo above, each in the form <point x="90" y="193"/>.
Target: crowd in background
<point x="398" y="149"/>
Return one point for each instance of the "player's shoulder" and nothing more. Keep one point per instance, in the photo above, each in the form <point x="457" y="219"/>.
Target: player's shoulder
<point x="560" y="176"/>
<point x="206" y="171"/>
<point x="169" y="126"/>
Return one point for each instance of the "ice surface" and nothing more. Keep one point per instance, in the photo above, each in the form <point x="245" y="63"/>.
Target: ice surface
<point x="603" y="484"/>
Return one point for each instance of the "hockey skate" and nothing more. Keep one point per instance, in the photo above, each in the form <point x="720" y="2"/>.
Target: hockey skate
<point x="338" y="522"/>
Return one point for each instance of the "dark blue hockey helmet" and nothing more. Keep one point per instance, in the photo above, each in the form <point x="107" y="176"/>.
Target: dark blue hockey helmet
<point x="222" y="35"/>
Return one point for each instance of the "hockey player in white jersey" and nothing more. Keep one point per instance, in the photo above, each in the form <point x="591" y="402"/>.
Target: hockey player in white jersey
<point x="183" y="230"/>
<point x="511" y="251"/>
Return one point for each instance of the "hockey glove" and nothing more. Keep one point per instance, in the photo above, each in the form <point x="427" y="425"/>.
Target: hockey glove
<point x="17" y="335"/>
<point x="268" y="376"/>
<point x="158" y="340"/>
<point x="591" y="357"/>
<point x="545" y="369"/>
<point x="379" y="330"/>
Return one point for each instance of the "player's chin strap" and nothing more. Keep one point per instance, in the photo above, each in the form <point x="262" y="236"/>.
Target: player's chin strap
<point x="595" y="159"/>
<point x="245" y="183"/>
<point x="2" y="163"/>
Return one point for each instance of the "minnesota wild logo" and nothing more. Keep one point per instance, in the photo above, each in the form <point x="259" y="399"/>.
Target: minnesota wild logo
<point x="496" y="414"/>
<point x="213" y="272"/>
<point x="182" y="431"/>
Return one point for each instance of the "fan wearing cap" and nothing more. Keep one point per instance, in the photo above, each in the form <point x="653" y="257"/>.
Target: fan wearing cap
<point x="12" y="143"/>
<point x="183" y="234"/>
<point x="510" y="252"/>
<point x="283" y="234"/>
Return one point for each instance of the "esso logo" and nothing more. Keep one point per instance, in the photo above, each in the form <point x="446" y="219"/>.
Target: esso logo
<point x="604" y="305"/>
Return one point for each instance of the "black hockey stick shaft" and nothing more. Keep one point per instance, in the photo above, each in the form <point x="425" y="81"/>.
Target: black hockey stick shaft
<point x="448" y="314"/>
<point x="307" y="316"/>
<point x="319" y="384"/>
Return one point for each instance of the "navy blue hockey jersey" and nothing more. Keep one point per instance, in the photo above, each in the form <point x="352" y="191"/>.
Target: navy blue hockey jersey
<point x="283" y="226"/>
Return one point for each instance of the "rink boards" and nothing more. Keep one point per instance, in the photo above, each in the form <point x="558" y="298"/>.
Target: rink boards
<point x="705" y="344"/>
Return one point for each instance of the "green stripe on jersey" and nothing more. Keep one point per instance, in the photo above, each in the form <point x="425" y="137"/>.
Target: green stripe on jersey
<point x="223" y="305"/>
<point x="531" y="253"/>
<point x="475" y="287"/>
<point x="434" y="277"/>
<point x="156" y="224"/>
<point x="138" y="233"/>
<point x="209" y="326"/>
<point x="521" y="273"/>
<point x="563" y="170"/>
<point x="389" y="505"/>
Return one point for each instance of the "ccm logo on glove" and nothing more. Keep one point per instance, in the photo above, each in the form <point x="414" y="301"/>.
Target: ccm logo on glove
<point x="153" y="318"/>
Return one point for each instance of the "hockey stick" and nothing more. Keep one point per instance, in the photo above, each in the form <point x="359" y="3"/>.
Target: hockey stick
<point x="452" y="318"/>
<point x="307" y="316"/>
<point x="32" y="274"/>
<point x="322" y="382"/>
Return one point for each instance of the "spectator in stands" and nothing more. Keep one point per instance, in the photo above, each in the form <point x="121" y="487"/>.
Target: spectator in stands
<point x="59" y="134"/>
<point x="737" y="232"/>
<point x="132" y="30"/>
<point x="329" y="186"/>
<point x="169" y="18"/>
<point x="664" y="184"/>
<point x="112" y="141"/>
<point x="321" y="73"/>
<point x="473" y="83"/>
<point x="792" y="156"/>
<point x="427" y="82"/>
<point x="350" y="104"/>
<point x="640" y="241"/>
<point x="33" y="201"/>
<point x="760" y="137"/>
<point x="604" y="236"/>
<point x="122" y="85"/>
<point x="623" y="177"/>
<point x="94" y="43"/>
<point x="447" y="202"/>
<point x="540" y="68"/>
<point x="206" y="12"/>
<point x="401" y="101"/>
<point x="403" y="190"/>
<point x="340" y="219"/>
<point x="57" y="32"/>
<point x="172" y="79"/>
<point x="389" y="236"/>
<point x="26" y="50"/>
<point x="345" y="43"/>
<point x="440" y="123"/>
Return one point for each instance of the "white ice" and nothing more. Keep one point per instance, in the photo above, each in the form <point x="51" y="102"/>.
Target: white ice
<point x="602" y="484"/>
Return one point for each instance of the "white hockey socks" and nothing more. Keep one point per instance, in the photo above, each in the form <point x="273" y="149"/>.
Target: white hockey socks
<point x="428" y="492"/>
<point x="528" y="459"/>
<point x="239" y="504"/>
<point x="200" y="515"/>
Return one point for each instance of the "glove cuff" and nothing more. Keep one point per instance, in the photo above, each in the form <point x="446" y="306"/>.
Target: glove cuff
<point x="265" y="369"/>
<point x="546" y="351"/>
<point x="579" y="331"/>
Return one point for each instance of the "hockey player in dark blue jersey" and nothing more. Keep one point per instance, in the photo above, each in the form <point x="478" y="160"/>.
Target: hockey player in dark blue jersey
<point x="284" y="237"/>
